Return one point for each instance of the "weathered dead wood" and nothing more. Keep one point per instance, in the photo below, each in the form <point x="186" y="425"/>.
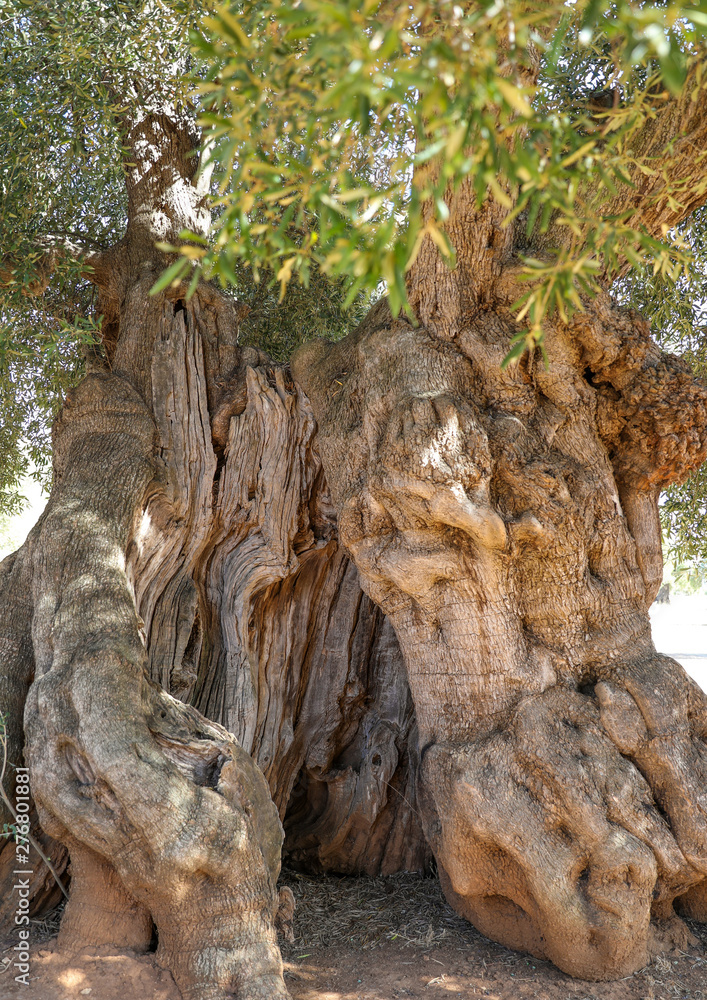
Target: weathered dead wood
<point x="253" y="613"/>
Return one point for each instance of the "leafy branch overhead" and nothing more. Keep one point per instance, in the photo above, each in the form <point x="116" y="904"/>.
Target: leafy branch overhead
<point x="339" y="132"/>
<point x="341" y="129"/>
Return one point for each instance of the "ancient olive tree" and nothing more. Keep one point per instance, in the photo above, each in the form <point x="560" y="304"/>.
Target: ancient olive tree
<point x="394" y="595"/>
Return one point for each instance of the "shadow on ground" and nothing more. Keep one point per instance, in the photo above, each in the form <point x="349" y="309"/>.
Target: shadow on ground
<point x="365" y="939"/>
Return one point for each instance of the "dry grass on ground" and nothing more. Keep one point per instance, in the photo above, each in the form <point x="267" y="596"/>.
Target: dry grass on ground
<point x="367" y="939"/>
<point x="365" y="913"/>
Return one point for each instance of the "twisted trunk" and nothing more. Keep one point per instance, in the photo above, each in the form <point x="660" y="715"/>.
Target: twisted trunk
<point x="189" y="546"/>
<point x="506" y="522"/>
<point x="198" y="663"/>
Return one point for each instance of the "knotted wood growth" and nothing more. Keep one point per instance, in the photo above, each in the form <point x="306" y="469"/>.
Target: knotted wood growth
<point x="506" y="522"/>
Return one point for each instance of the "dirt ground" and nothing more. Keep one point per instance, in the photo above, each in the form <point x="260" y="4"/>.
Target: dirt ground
<point x="366" y="939"/>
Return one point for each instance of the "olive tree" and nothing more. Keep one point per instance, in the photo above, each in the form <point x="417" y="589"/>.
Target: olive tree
<point x="393" y="595"/>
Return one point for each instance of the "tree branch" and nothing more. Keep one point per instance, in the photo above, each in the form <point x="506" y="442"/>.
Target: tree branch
<point x="166" y="189"/>
<point x="98" y="264"/>
<point x="672" y="143"/>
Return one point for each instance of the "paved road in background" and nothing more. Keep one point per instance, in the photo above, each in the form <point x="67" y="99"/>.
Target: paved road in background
<point x="680" y="630"/>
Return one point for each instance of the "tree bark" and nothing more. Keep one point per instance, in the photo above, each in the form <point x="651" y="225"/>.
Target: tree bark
<point x="506" y="522"/>
<point x="254" y="614"/>
<point x="189" y="545"/>
<point x="157" y="806"/>
<point x="414" y="600"/>
<point x="164" y="815"/>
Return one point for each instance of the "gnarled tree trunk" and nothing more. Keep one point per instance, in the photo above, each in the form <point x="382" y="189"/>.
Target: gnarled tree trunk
<point x="189" y="551"/>
<point x="415" y="597"/>
<point x="506" y="522"/>
<point x="165" y="817"/>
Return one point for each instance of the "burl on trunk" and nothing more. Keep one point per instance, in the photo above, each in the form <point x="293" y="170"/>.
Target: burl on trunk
<point x="506" y="522"/>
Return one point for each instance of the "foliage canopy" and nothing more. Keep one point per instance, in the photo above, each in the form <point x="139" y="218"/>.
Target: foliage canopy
<point x="325" y="116"/>
<point x="66" y="72"/>
<point x="69" y="74"/>
<point x="337" y="129"/>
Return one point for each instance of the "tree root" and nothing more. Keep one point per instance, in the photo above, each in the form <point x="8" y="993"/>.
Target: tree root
<point x="588" y="856"/>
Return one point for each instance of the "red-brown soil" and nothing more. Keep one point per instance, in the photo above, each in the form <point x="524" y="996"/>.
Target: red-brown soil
<point x="368" y="939"/>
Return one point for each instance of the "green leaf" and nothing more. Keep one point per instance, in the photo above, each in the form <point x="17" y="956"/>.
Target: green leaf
<point x="517" y="351"/>
<point x="673" y="71"/>
<point x="170" y="276"/>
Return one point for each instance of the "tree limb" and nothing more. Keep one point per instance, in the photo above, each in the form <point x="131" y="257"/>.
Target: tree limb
<point x="672" y="143"/>
<point x="98" y="264"/>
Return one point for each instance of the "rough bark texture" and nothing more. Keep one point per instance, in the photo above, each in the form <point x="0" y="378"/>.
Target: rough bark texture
<point x="491" y="693"/>
<point x="220" y="556"/>
<point x="155" y="804"/>
<point x="189" y="546"/>
<point x="506" y="523"/>
<point x="166" y="818"/>
<point x="254" y="614"/>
